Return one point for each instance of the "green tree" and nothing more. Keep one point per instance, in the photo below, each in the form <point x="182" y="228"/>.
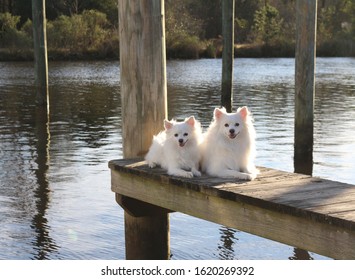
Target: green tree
<point x="89" y="31"/>
<point x="182" y="30"/>
<point x="244" y="16"/>
<point x="209" y="14"/>
<point x="335" y="27"/>
<point x="10" y="36"/>
<point x="267" y="24"/>
<point x="97" y="26"/>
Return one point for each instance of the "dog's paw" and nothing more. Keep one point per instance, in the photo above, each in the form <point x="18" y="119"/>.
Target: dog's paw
<point x="253" y="176"/>
<point x="182" y="173"/>
<point x="151" y="164"/>
<point x="245" y="176"/>
<point x="249" y="176"/>
<point x="196" y="173"/>
<point x="187" y="174"/>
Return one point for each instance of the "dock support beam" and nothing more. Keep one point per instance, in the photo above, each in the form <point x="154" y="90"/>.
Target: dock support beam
<point x="144" y="107"/>
<point x="150" y="220"/>
<point x="306" y="23"/>
<point x="40" y="52"/>
<point x="227" y="53"/>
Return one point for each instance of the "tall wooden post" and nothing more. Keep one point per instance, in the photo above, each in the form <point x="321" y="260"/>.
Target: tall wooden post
<point x="144" y="107"/>
<point x="40" y="52"/>
<point x="228" y="53"/>
<point x="306" y="23"/>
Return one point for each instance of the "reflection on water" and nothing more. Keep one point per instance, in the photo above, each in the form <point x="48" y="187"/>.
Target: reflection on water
<point x="299" y="254"/>
<point x="43" y="241"/>
<point x="227" y="240"/>
<point x="55" y="198"/>
<point x="54" y="176"/>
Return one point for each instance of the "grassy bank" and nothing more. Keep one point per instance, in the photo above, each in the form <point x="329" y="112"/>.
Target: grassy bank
<point x="189" y="52"/>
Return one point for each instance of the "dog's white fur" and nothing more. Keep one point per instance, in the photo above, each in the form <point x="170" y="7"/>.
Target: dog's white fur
<point x="176" y="149"/>
<point x="228" y="148"/>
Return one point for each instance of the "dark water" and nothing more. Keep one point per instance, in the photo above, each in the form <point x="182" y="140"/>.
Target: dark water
<point x="55" y="197"/>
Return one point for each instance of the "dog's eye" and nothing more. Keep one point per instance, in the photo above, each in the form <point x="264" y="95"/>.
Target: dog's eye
<point x="226" y="125"/>
<point x="237" y="124"/>
<point x="176" y="135"/>
<point x="186" y="134"/>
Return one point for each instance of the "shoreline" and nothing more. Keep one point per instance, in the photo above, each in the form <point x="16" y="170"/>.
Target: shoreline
<point x="240" y="51"/>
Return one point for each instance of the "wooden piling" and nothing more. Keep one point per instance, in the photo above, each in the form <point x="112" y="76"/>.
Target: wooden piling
<point x="144" y="107"/>
<point x="147" y="219"/>
<point x="40" y="52"/>
<point x="227" y="53"/>
<point x="306" y="20"/>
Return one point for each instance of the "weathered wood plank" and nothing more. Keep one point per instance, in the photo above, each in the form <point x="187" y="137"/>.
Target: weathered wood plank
<point x="303" y="227"/>
<point x="298" y="190"/>
<point x="346" y="215"/>
<point x="312" y="198"/>
<point x="334" y="207"/>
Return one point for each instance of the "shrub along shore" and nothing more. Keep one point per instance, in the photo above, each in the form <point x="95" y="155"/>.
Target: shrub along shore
<point x="112" y="53"/>
<point x="90" y="35"/>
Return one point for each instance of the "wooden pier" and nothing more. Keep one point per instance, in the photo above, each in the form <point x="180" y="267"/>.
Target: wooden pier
<point x="310" y="213"/>
<point x="305" y="212"/>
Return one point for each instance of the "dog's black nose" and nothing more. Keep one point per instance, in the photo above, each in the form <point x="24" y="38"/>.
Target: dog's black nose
<point x="231" y="131"/>
<point x="181" y="140"/>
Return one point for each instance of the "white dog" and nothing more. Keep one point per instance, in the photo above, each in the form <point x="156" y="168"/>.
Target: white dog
<point x="228" y="148"/>
<point x="177" y="148"/>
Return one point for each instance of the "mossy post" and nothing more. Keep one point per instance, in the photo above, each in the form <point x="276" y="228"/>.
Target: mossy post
<point x="40" y="52"/>
<point x="144" y="107"/>
<point x="306" y="26"/>
<point x="227" y="53"/>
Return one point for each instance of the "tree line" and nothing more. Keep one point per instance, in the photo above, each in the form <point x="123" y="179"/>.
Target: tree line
<point x="89" y="28"/>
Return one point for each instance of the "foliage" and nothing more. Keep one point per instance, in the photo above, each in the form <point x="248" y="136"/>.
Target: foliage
<point x="336" y="28"/>
<point x="78" y="32"/>
<point x="185" y="46"/>
<point x="89" y="32"/>
<point x="10" y="36"/>
<point x="267" y="24"/>
<point x="182" y="31"/>
<point x="193" y="27"/>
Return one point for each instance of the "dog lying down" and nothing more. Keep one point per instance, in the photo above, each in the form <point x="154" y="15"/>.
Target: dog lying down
<point x="177" y="148"/>
<point x="226" y="149"/>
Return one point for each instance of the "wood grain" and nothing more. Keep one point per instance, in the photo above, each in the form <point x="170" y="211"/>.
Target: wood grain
<point x="305" y="61"/>
<point x="286" y="207"/>
<point x="143" y="73"/>
<point x="144" y="108"/>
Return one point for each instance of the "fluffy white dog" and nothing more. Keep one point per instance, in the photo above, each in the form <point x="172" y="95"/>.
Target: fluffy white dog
<point x="228" y="148"/>
<point x="176" y="149"/>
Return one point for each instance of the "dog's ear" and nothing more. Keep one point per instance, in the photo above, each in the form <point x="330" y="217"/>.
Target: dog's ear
<point x="190" y="121"/>
<point x="244" y="112"/>
<point x="168" y="124"/>
<point x="218" y="113"/>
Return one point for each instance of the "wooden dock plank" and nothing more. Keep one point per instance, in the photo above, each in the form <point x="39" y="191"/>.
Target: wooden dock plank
<point x="335" y="208"/>
<point x="289" y="208"/>
<point x="299" y="191"/>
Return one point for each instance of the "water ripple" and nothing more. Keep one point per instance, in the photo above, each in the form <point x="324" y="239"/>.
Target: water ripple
<point x="55" y="198"/>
